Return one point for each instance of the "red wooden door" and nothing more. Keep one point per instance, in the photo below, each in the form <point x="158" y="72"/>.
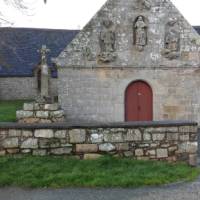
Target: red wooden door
<point x="139" y="102"/>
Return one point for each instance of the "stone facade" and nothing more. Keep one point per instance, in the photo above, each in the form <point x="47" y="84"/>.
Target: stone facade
<point x="22" y="87"/>
<point x="124" y="42"/>
<point x="175" y="141"/>
<point x="99" y="94"/>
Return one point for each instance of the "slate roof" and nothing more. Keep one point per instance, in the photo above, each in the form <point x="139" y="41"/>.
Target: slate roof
<point x="197" y="28"/>
<point x="18" y="49"/>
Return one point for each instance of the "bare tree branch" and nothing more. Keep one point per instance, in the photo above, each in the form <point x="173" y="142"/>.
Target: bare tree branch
<point x="21" y="5"/>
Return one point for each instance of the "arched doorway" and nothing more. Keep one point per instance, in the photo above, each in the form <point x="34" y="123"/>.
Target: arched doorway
<point x="138" y="102"/>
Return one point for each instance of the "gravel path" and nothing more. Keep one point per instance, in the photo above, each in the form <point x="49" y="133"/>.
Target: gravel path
<point x="185" y="191"/>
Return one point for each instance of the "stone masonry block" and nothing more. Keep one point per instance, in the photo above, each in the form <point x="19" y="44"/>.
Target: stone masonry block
<point x="193" y="136"/>
<point x="61" y="134"/>
<point x="122" y="146"/>
<point x="28" y="106"/>
<point x="86" y="148"/>
<point x="2" y="152"/>
<point x="57" y="114"/>
<point x="158" y="136"/>
<point x="188" y="129"/>
<point x="172" y="129"/>
<point x="96" y="138"/>
<point x="20" y="114"/>
<point x="159" y="130"/>
<point x="44" y="133"/>
<point x="44" y="143"/>
<point x="36" y="106"/>
<point x="52" y="107"/>
<point x="184" y="137"/>
<point x="128" y="154"/>
<point x="14" y="133"/>
<point x="193" y="160"/>
<point x="10" y="143"/>
<point x="133" y="135"/>
<point x="106" y="147"/>
<point x="162" y="153"/>
<point x="113" y="137"/>
<point x="26" y="151"/>
<point x="26" y="133"/>
<point x="30" y="143"/>
<point x="193" y="129"/>
<point x="3" y="132"/>
<point x="12" y="151"/>
<point x="42" y="114"/>
<point x="139" y="152"/>
<point x="147" y="136"/>
<point x="77" y="136"/>
<point x="188" y="147"/>
<point x="172" y="148"/>
<point x="151" y="152"/>
<point x="172" y="136"/>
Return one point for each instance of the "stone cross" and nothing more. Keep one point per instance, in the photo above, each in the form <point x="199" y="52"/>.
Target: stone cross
<point x="45" y="75"/>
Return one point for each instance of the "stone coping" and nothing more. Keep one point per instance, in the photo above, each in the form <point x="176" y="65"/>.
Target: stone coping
<point x="70" y="125"/>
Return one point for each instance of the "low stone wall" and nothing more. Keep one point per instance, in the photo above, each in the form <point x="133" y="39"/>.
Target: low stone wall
<point x="171" y="141"/>
<point x="34" y="112"/>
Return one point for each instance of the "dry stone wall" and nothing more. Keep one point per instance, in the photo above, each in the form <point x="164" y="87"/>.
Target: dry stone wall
<point x="145" y="141"/>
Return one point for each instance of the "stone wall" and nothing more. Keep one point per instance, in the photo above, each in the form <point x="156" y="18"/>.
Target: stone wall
<point x="93" y="90"/>
<point x="22" y="87"/>
<point x="99" y="94"/>
<point x="171" y="141"/>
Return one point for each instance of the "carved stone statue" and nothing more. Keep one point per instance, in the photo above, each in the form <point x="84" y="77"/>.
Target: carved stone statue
<point x="43" y="96"/>
<point x="140" y="28"/>
<point x="107" y="42"/>
<point x="144" y="4"/>
<point x="172" y="40"/>
<point x="87" y="54"/>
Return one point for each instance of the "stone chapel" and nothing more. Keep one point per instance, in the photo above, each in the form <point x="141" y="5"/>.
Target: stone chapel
<point x="136" y="60"/>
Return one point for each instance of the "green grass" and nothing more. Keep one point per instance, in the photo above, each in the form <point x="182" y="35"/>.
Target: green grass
<point x="8" y="110"/>
<point x="58" y="172"/>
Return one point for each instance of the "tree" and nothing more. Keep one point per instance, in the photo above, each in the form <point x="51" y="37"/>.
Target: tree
<point x="18" y="4"/>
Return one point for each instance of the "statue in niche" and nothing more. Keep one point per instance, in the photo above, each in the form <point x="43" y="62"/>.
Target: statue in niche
<point x="172" y="40"/>
<point x="44" y="73"/>
<point x="107" y="42"/>
<point x="140" y="33"/>
<point x="144" y="4"/>
<point x="87" y="54"/>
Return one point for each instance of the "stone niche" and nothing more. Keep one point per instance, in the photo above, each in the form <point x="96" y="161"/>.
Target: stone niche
<point x="40" y="113"/>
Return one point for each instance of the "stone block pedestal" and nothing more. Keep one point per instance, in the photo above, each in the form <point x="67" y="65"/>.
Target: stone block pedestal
<point x="40" y="113"/>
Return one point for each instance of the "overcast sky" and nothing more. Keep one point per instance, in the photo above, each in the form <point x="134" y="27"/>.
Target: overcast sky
<point x="73" y="14"/>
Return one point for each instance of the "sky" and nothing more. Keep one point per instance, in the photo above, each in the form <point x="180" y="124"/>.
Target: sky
<point x="74" y="14"/>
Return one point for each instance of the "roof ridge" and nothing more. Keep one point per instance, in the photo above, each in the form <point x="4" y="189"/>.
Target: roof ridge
<point x="39" y="29"/>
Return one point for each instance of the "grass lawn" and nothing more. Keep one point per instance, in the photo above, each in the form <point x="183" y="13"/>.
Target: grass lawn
<point x="8" y="110"/>
<point x="58" y="172"/>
